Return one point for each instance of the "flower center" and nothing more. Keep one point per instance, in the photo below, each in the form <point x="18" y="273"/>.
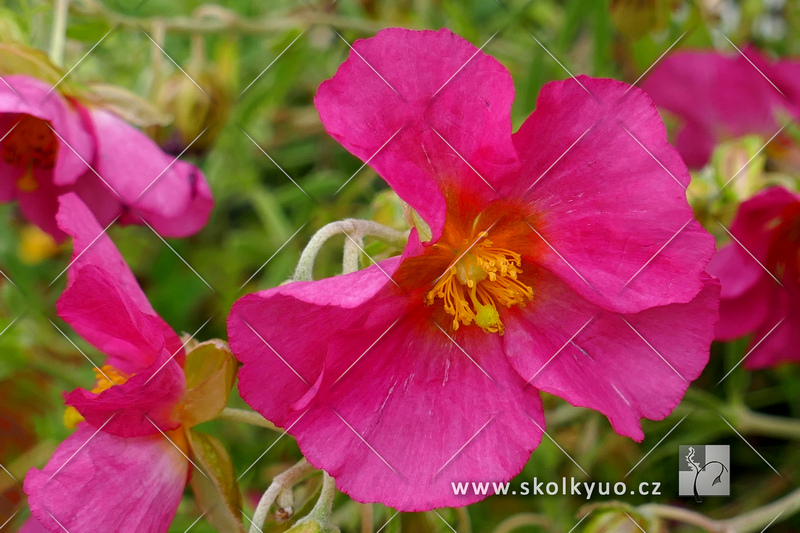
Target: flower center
<point x="105" y="378"/>
<point x="30" y="144"/>
<point x="108" y="376"/>
<point x="482" y="277"/>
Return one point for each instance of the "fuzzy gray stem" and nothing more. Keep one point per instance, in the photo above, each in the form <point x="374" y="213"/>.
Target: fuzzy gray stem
<point x="356" y="230"/>
<point x="282" y="481"/>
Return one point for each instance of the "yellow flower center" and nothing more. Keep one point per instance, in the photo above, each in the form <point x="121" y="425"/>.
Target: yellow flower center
<point x="106" y="377"/>
<point x="30" y="144"/>
<point x="481" y="278"/>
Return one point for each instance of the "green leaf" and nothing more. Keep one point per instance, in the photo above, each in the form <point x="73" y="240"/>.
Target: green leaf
<point x="210" y="374"/>
<point x="217" y="493"/>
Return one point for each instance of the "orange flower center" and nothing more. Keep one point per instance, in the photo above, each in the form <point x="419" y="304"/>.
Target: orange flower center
<point x="482" y="277"/>
<point x="30" y="144"/>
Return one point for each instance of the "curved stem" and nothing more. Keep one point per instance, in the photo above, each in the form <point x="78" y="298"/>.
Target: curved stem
<point x="756" y="519"/>
<point x="282" y="481"/>
<point x="353" y="229"/>
<point x="247" y="417"/>
<point x="322" y="509"/>
<point x="749" y="522"/>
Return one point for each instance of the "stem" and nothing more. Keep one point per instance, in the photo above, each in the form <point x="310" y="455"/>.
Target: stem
<point x="464" y="523"/>
<point x="220" y="20"/>
<point x="767" y="425"/>
<point x="352" y="249"/>
<point x="247" y="417"/>
<point x="366" y="517"/>
<point x="282" y="481"/>
<point x="758" y="518"/>
<point x="749" y="522"/>
<point x="521" y="520"/>
<point x="322" y="509"/>
<point x="684" y="516"/>
<point x="352" y="228"/>
<point x="59" y="35"/>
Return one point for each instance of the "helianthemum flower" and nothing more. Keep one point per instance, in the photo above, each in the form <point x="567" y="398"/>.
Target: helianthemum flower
<point x="760" y="276"/>
<point x="51" y="144"/>
<point x="562" y="258"/>
<point x="719" y="96"/>
<point x="126" y="465"/>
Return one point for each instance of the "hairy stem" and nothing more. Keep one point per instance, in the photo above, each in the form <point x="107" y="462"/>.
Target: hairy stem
<point x="282" y="481"/>
<point x="354" y="231"/>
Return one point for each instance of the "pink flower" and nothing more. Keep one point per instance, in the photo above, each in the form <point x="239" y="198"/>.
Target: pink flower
<point x="719" y="96"/>
<point x="51" y="145"/>
<point x="117" y="472"/>
<point x="563" y="258"/>
<point x="760" y="276"/>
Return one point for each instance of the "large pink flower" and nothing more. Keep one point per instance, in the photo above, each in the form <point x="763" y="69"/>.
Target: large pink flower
<point x="760" y="276"/>
<point x="50" y="145"/>
<point x="563" y="258"/>
<point x="719" y="96"/>
<point x="117" y="472"/>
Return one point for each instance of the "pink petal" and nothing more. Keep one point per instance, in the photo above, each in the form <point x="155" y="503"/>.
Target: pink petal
<point x="460" y="95"/>
<point x="621" y="231"/>
<point x="97" y="307"/>
<point x="293" y="361"/>
<point x="96" y="482"/>
<point x="748" y="311"/>
<point x="33" y="97"/>
<point x="773" y="345"/>
<point x="416" y="413"/>
<point x="736" y="269"/>
<point x="41" y="205"/>
<point x="195" y="214"/>
<point x="592" y="358"/>
<point x="119" y="330"/>
<point x="416" y="398"/>
<point x="141" y="406"/>
<point x="754" y="222"/>
<point x="147" y="181"/>
<point x="722" y="94"/>
<point x="750" y="294"/>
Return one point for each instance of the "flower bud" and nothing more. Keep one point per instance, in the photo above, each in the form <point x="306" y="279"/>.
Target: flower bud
<point x="194" y="110"/>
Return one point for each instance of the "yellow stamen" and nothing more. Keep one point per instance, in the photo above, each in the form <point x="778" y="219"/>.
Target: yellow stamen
<point x="107" y="376"/>
<point x="484" y="277"/>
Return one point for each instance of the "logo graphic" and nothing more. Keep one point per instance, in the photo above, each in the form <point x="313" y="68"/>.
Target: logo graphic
<point x="704" y="471"/>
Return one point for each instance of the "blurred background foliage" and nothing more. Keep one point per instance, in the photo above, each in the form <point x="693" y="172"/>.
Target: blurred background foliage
<point x="250" y="124"/>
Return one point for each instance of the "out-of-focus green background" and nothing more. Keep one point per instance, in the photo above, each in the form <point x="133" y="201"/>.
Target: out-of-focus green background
<point x="276" y="178"/>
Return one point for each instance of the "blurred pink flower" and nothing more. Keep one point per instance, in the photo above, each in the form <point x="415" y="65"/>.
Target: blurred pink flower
<point x="719" y="96"/>
<point x="555" y="252"/>
<point x="50" y="144"/>
<point x="767" y="228"/>
<point x="117" y="472"/>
